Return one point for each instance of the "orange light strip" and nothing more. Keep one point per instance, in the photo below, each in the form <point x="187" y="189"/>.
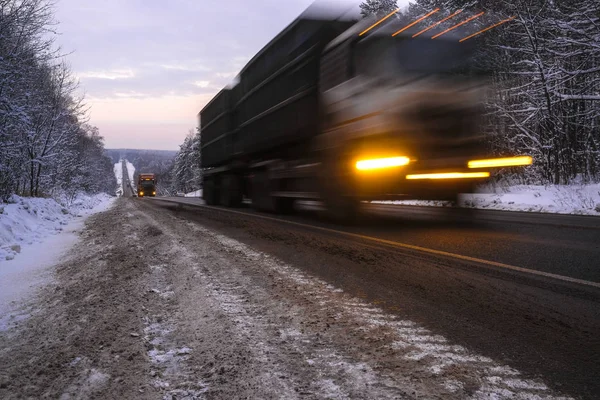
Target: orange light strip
<point x="380" y="163"/>
<point x="459" y="24"/>
<point x="450" y="175"/>
<point x="501" y="162"/>
<point x="416" y="22"/>
<point x="437" y="23"/>
<point x="378" y="22"/>
<point x="487" y="29"/>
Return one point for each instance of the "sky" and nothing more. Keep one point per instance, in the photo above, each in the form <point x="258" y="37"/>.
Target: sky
<point x="147" y="67"/>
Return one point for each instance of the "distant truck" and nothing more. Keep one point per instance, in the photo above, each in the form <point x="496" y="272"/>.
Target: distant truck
<point x="327" y="112"/>
<point x="146" y="185"/>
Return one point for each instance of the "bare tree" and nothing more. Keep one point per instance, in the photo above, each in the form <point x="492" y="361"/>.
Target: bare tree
<point x="41" y="120"/>
<point x="378" y="8"/>
<point x="546" y="82"/>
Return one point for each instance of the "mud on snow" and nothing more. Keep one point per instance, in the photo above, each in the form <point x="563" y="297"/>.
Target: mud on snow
<point x="151" y="305"/>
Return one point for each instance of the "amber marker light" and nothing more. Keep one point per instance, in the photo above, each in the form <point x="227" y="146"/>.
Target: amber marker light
<point x="487" y="29"/>
<point x="459" y="24"/>
<point x="380" y="163"/>
<point x="378" y="22"/>
<point x="415" y="22"/>
<point x="437" y="23"/>
<point x="450" y="175"/>
<point x="501" y="162"/>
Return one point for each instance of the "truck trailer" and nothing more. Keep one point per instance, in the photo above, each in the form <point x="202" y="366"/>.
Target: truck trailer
<point x="146" y="185"/>
<point x="326" y="112"/>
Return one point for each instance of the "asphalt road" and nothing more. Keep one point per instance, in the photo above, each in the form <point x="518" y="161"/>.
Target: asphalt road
<point x="127" y="186"/>
<point x="521" y="288"/>
<point x="566" y="245"/>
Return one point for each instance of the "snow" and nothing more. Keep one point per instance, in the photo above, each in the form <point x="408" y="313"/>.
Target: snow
<point x="560" y="199"/>
<point x="118" y="169"/>
<point x="424" y="350"/>
<point x="34" y="234"/>
<point x="197" y="193"/>
<point x="130" y="170"/>
<point x="25" y="221"/>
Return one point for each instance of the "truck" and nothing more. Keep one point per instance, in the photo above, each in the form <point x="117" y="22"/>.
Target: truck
<point x="146" y="185"/>
<point x="328" y="112"/>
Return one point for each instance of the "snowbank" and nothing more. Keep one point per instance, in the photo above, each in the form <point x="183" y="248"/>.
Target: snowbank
<point x="25" y="221"/>
<point x="118" y="169"/>
<point x="197" y="193"/>
<point x="560" y="199"/>
<point x="130" y="170"/>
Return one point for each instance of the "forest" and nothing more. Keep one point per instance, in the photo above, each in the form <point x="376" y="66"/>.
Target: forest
<point x="47" y="146"/>
<point x="186" y="174"/>
<point x="544" y="66"/>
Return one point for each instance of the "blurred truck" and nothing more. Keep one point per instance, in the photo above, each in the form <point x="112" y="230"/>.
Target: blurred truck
<point x="146" y="185"/>
<point x="327" y="112"/>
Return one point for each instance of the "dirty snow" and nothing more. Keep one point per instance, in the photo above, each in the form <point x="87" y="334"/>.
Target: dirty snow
<point x="130" y="170"/>
<point x="118" y="169"/>
<point x="422" y="348"/>
<point x="241" y="324"/>
<point x="560" y="199"/>
<point x="34" y="234"/>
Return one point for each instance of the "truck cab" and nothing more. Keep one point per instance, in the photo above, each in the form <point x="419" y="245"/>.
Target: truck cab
<point x="146" y="185"/>
<point x="324" y="112"/>
<point x="414" y="100"/>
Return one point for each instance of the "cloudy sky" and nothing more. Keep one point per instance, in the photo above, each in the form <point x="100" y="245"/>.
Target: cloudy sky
<point x="148" y="66"/>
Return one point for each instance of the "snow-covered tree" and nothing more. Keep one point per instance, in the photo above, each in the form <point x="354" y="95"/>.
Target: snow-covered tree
<point x="377" y="7"/>
<point x="545" y="79"/>
<point x="187" y="171"/>
<point x="41" y="121"/>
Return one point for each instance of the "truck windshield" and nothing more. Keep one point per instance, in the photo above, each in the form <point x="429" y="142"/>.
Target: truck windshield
<point x="391" y="57"/>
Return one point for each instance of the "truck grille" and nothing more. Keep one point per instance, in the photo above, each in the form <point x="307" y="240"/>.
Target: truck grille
<point x="448" y="130"/>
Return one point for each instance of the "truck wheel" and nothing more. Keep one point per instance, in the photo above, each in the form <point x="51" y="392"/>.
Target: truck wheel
<point x="283" y="205"/>
<point x="335" y="187"/>
<point x="260" y="191"/>
<point x="231" y="191"/>
<point x="262" y="199"/>
<point x="342" y="209"/>
<point x="210" y="193"/>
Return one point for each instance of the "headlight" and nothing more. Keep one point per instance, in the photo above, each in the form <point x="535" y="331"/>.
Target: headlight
<point x="380" y="163"/>
<point x="450" y="175"/>
<point x="501" y="162"/>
